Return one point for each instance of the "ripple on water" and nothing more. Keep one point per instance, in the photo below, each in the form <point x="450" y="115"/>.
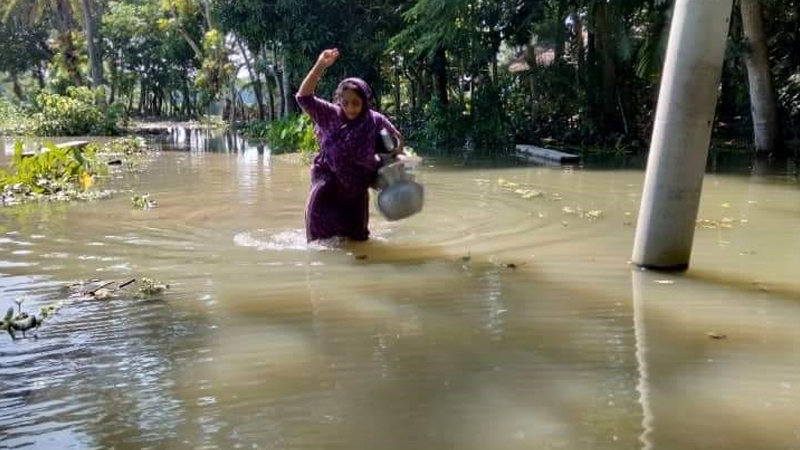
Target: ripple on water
<point x="284" y="240"/>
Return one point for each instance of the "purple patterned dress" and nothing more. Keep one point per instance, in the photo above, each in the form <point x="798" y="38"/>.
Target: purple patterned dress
<point x="338" y="204"/>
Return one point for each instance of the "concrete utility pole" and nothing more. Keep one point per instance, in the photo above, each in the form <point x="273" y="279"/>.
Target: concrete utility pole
<point x="682" y="134"/>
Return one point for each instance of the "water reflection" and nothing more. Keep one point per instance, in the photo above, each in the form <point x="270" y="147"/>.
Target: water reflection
<point x="208" y="140"/>
<point x="709" y="364"/>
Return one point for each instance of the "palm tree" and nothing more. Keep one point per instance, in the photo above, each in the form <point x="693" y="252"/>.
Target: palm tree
<point x="63" y="13"/>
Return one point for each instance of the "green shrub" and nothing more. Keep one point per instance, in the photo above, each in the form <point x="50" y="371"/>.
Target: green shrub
<point x="75" y="114"/>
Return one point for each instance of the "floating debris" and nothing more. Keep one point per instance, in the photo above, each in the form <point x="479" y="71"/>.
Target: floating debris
<point x="528" y="194"/>
<point x="506" y="183"/>
<point x="149" y="286"/>
<point x="725" y="222"/>
<point x="664" y="281"/>
<point x="21" y="322"/>
<point x="715" y="335"/>
<point x="582" y="213"/>
<point x="143" y="202"/>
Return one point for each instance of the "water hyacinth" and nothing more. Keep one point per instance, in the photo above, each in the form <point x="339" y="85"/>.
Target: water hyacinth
<point x="65" y="173"/>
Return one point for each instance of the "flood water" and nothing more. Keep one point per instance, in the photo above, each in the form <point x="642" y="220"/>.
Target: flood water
<point x="488" y="321"/>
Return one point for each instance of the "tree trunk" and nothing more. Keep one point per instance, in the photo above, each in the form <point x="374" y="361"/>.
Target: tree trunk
<point x="276" y="74"/>
<point x="142" y="96"/>
<point x="577" y="38"/>
<point x="38" y="72"/>
<point x="763" y="103"/>
<point x="17" y="87"/>
<point x="608" y="70"/>
<point x="95" y="61"/>
<point x="232" y="110"/>
<point x="439" y="67"/>
<point x="396" y="90"/>
<point x="270" y="100"/>
<point x="287" y="103"/>
<point x="255" y="80"/>
<point x="71" y="61"/>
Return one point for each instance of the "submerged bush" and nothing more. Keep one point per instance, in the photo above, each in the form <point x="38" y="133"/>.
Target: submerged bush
<point x="13" y="119"/>
<point x="294" y="134"/>
<point x="75" y="114"/>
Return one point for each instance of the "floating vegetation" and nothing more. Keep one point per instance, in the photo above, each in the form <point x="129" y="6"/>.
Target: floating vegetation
<point x="525" y="193"/>
<point x="143" y="202"/>
<point x="66" y="172"/>
<point x="529" y="193"/>
<point x="150" y="287"/>
<point x="593" y="214"/>
<point x="725" y="222"/>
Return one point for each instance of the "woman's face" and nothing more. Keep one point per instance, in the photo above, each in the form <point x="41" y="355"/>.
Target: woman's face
<point x="351" y="104"/>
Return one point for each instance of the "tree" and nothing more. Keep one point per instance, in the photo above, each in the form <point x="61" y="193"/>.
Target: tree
<point x="95" y="59"/>
<point x="763" y="102"/>
<point x="22" y="48"/>
<point x="62" y="15"/>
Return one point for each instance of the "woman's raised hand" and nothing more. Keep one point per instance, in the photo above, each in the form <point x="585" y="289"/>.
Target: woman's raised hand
<point x="328" y="57"/>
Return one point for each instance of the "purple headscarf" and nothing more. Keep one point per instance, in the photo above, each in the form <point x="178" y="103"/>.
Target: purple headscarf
<point x="361" y="88"/>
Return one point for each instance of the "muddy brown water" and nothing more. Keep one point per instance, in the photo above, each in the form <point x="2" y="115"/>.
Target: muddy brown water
<point x="490" y="320"/>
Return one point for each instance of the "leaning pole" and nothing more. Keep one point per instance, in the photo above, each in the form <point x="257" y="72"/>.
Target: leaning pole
<point x="681" y="134"/>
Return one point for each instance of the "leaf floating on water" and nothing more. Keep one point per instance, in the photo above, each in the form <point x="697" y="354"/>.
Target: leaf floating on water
<point x="715" y="335"/>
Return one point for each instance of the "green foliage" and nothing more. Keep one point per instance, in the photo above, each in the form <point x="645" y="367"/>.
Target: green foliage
<point x="216" y="70"/>
<point x="50" y="170"/>
<point x="13" y="119"/>
<point x="490" y="129"/>
<point x="295" y="134"/>
<point x="22" y="47"/>
<point x="438" y="124"/>
<point x="75" y="114"/>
